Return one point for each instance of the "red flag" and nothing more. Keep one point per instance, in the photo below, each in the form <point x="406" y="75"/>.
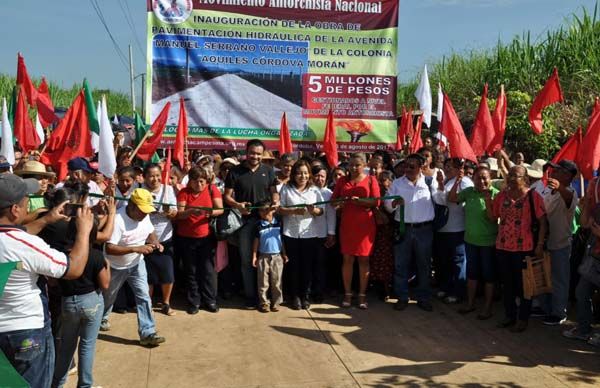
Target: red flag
<point x="285" y="140"/>
<point x="330" y="142"/>
<point x="167" y="169"/>
<point x="182" y="133"/>
<point x="72" y="137"/>
<point x="45" y="106"/>
<point x="499" y="121"/>
<point x="588" y="158"/>
<point x="550" y="94"/>
<point x="24" y="129"/>
<point x="457" y="141"/>
<point x="401" y="134"/>
<point x="570" y="149"/>
<point x="416" y="142"/>
<point x="24" y="80"/>
<point x="156" y="131"/>
<point x="483" y="128"/>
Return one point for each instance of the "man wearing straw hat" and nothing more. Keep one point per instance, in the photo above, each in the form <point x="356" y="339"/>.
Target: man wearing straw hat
<point x="37" y="171"/>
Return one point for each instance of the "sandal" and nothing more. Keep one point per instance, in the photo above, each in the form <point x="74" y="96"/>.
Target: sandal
<point x="347" y="302"/>
<point x="362" y="302"/>
<point x="167" y="310"/>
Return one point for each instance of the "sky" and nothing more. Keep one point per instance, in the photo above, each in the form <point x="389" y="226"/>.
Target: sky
<point x="65" y="41"/>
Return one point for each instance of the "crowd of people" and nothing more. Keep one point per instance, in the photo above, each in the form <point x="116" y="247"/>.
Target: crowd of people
<point x="419" y="226"/>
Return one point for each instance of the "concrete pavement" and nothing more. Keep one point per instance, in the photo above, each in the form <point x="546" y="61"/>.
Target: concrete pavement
<point x="333" y="347"/>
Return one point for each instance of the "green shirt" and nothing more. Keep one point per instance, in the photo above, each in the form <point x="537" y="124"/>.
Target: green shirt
<point x="35" y="203"/>
<point x="479" y="230"/>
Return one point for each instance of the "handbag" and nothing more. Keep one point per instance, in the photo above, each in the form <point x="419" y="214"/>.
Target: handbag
<point x="442" y="213"/>
<point x="225" y="225"/>
<point x="380" y="217"/>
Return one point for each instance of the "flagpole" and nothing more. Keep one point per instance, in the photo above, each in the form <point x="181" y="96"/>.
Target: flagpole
<point x="135" y="151"/>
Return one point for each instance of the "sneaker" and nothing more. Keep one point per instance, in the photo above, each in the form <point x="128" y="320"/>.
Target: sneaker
<point x="152" y="340"/>
<point x="192" y="309"/>
<point x="537" y="312"/>
<point x="553" y="320"/>
<point x="451" y="300"/>
<point x="104" y="325"/>
<point x="574" y="333"/>
<point x="274" y="308"/>
<point x="594" y="340"/>
<point x="305" y="304"/>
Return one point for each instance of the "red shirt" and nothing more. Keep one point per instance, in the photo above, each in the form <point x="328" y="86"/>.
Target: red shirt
<point x="196" y="226"/>
<point x="514" y="231"/>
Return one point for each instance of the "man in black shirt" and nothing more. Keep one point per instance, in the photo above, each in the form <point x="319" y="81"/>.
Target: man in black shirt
<point x="247" y="184"/>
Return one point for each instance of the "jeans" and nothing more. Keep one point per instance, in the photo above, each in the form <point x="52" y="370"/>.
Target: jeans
<point x="31" y="353"/>
<point x="454" y="262"/>
<point x="199" y="269"/>
<point x="80" y="320"/>
<point x="556" y="303"/>
<point x="585" y="310"/>
<point x="137" y="279"/>
<point x="416" y="244"/>
<point x="511" y="267"/>
<point x="244" y="239"/>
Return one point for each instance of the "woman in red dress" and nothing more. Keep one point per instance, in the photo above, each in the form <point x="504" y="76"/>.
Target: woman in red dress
<point x="357" y="226"/>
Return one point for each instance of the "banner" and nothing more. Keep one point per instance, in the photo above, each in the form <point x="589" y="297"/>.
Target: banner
<point x="240" y="64"/>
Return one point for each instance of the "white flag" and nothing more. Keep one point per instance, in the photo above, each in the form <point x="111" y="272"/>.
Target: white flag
<point x="440" y="106"/>
<point x="7" y="150"/>
<point x="423" y="95"/>
<point x="39" y="130"/>
<point x="107" y="162"/>
<point x="115" y="120"/>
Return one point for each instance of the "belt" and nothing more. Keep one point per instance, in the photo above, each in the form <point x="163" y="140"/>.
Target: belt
<point x="418" y="224"/>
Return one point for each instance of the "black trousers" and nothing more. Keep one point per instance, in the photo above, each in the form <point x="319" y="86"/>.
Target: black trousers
<point x="199" y="267"/>
<point x="511" y="265"/>
<point x="301" y="253"/>
<point x="319" y="270"/>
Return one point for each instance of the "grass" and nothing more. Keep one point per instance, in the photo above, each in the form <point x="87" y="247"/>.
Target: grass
<point x="117" y="103"/>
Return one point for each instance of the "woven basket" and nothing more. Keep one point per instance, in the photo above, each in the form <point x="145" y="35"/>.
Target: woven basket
<point x="537" y="276"/>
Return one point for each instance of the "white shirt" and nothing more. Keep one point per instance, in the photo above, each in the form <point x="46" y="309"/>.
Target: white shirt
<point x="538" y="186"/>
<point x="560" y="218"/>
<point x="128" y="233"/>
<point x="325" y="224"/>
<point x="300" y="226"/>
<point x="162" y="225"/>
<point x="456" y="211"/>
<point x="21" y="305"/>
<point x="418" y="206"/>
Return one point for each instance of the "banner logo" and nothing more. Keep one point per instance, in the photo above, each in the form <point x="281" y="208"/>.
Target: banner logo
<point x="172" y="11"/>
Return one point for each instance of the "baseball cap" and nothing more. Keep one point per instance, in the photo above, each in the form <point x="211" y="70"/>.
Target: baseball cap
<point x="565" y="164"/>
<point x="142" y="198"/>
<point x="80" y="164"/>
<point x="14" y="188"/>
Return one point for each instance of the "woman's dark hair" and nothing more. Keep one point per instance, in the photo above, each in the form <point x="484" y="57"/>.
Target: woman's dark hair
<point x="126" y="170"/>
<point x="317" y="169"/>
<point x="386" y="175"/>
<point x="197" y="172"/>
<point x="71" y="191"/>
<point x="150" y="167"/>
<point x="296" y="167"/>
